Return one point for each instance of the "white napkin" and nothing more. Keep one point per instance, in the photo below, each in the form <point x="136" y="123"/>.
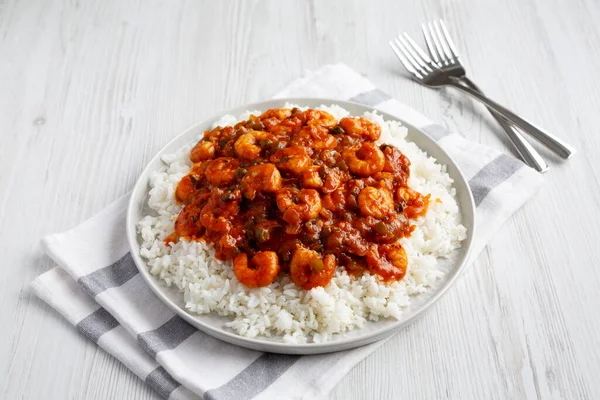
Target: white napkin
<point x="97" y="287"/>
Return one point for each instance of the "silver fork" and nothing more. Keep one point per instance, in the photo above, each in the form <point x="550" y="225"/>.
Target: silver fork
<point x="449" y="62"/>
<point x="425" y="71"/>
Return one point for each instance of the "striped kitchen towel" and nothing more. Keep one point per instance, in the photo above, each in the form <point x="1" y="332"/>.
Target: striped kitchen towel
<point x="98" y="289"/>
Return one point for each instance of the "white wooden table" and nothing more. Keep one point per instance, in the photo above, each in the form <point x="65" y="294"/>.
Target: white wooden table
<point x="91" y="89"/>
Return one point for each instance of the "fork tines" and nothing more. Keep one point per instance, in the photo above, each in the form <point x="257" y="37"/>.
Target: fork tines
<point x="412" y="56"/>
<point x="439" y="42"/>
<point x="440" y="45"/>
<point x="403" y="55"/>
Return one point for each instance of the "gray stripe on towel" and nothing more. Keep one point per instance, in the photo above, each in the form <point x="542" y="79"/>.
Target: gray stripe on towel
<point x="97" y="324"/>
<point x="166" y="337"/>
<point x="370" y="98"/>
<point x="258" y="376"/>
<point x="436" y="131"/>
<point x="162" y="383"/>
<point x="493" y="174"/>
<point x="108" y="277"/>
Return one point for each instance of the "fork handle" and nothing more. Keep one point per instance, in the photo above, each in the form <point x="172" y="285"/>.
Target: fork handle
<point x="552" y="142"/>
<point x="523" y="147"/>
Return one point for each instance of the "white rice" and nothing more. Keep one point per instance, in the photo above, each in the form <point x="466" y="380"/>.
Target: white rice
<point x="283" y="309"/>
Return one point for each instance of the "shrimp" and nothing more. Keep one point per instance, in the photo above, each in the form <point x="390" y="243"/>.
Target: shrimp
<point x="311" y="178"/>
<point x="246" y="146"/>
<point x="261" y="270"/>
<point x="315" y="136"/>
<point x="364" y="159"/>
<point x="260" y="178"/>
<point x="221" y="171"/>
<point x="288" y="127"/>
<point x="308" y="270"/>
<point x="360" y="128"/>
<point x="221" y="207"/>
<point x="413" y="202"/>
<point x="186" y="187"/>
<point x="278" y="113"/>
<point x="294" y="160"/>
<point x="273" y="117"/>
<point x="389" y="261"/>
<point x="187" y="223"/>
<point x="375" y="202"/>
<point x="298" y="205"/>
<point x="318" y="117"/>
<point x="204" y="150"/>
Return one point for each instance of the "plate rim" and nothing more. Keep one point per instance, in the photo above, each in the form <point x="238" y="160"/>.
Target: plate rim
<point x="282" y="347"/>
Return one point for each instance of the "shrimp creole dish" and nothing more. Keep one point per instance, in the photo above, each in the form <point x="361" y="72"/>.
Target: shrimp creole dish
<point x="300" y="223"/>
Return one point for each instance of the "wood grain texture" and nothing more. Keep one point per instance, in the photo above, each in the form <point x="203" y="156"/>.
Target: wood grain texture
<point x="92" y="89"/>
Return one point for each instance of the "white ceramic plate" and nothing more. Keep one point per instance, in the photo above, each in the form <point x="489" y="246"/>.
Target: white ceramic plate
<point x="212" y="324"/>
